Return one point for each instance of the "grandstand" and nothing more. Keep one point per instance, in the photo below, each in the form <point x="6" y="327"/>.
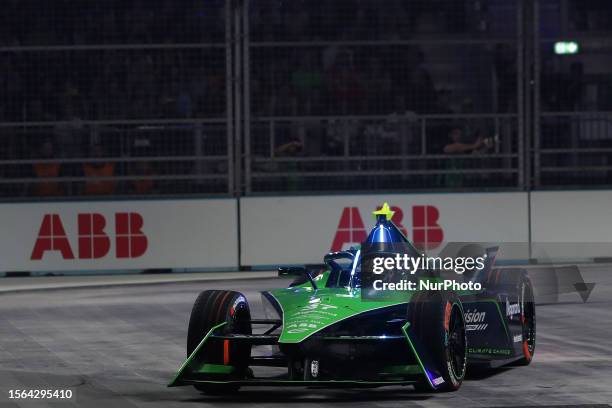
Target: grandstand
<point x="238" y="98"/>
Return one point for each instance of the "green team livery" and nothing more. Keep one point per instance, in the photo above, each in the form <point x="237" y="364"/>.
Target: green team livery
<point x="322" y="331"/>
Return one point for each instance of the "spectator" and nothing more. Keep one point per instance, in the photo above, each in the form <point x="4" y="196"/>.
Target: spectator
<point x="142" y="186"/>
<point x="69" y="132"/>
<point x="306" y="81"/>
<point x="339" y="132"/>
<point x="298" y="20"/>
<point x="283" y="103"/>
<point x="292" y="148"/>
<point x="11" y="89"/>
<point x="96" y="170"/>
<point x="184" y="101"/>
<point x="379" y="88"/>
<point x="35" y="111"/>
<point x="334" y="51"/>
<point x="346" y="85"/>
<point x="573" y="95"/>
<point x="457" y="146"/>
<point x="141" y="167"/>
<point x="141" y="83"/>
<point x="47" y="169"/>
<point x="422" y="92"/>
<point x="505" y="71"/>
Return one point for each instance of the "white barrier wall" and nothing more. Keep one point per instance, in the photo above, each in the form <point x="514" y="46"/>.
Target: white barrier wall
<point x="293" y="230"/>
<point x="571" y="224"/>
<point x="118" y="235"/>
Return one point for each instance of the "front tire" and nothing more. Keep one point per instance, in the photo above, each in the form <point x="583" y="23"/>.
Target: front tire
<point x="438" y="321"/>
<point x="211" y="308"/>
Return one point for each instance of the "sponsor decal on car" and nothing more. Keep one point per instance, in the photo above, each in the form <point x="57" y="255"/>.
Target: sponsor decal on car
<point x="474" y="316"/>
<point x="314" y="368"/>
<point x="489" y="350"/>
<point x="300" y="327"/>
<point x="475" y="320"/>
<point x="512" y="309"/>
<point x="476" y="327"/>
<point x="437" y="381"/>
<point x="315" y="304"/>
<point x="518" y="338"/>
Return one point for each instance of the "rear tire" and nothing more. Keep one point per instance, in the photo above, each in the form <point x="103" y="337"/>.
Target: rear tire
<point x="437" y="319"/>
<point x="528" y="320"/>
<point x="211" y="308"/>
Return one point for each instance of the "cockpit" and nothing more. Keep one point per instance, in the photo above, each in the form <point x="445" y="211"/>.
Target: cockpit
<point x="345" y="269"/>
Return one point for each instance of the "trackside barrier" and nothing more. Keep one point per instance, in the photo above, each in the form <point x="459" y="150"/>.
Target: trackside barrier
<point x="119" y="235"/>
<point x="201" y="234"/>
<point x="301" y="229"/>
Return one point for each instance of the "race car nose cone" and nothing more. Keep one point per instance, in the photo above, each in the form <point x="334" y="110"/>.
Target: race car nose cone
<point x="385" y="236"/>
<point x="385" y="231"/>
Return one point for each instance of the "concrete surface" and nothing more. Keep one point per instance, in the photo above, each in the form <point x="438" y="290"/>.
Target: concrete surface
<point x="118" y="345"/>
<point x="30" y="283"/>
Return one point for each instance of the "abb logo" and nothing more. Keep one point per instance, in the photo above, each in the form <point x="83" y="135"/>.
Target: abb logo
<point x="426" y="233"/>
<point x="93" y="242"/>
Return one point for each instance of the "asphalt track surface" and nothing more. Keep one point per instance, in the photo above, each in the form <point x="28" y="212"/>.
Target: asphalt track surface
<point x="119" y="346"/>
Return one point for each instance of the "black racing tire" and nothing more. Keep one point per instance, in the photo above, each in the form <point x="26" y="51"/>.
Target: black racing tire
<point x="211" y="308"/>
<point x="436" y="317"/>
<point x="528" y="319"/>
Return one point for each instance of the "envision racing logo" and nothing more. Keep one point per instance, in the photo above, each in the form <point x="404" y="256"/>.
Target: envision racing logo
<point x="474" y="320"/>
<point x="426" y="232"/>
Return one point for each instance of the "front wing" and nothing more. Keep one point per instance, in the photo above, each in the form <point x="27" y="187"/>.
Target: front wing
<point x="412" y="362"/>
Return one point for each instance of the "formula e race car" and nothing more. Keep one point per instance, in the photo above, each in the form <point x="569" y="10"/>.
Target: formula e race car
<point x="321" y="331"/>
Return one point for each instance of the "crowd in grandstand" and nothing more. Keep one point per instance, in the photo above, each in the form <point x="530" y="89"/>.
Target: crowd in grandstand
<point x="116" y="60"/>
<point x="95" y="83"/>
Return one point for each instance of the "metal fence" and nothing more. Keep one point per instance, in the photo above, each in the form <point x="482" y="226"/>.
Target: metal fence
<point x="410" y="96"/>
<point x="106" y="99"/>
<point x="241" y="97"/>
<point x="395" y="152"/>
<point x="105" y="158"/>
<point x="572" y="138"/>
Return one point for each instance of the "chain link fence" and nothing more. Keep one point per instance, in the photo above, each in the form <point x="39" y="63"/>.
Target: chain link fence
<point x="94" y="159"/>
<point x="414" y="95"/>
<point x="573" y="147"/>
<point x="106" y="99"/>
<point x="100" y="99"/>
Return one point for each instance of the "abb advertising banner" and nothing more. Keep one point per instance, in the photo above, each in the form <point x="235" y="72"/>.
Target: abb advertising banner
<point x="294" y="230"/>
<point x="118" y="235"/>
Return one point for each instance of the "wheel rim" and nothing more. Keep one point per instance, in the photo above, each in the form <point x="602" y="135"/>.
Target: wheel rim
<point x="457" y="343"/>
<point x="239" y="319"/>
<point x="239" y="323"/>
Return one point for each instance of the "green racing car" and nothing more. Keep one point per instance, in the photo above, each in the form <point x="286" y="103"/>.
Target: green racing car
<point x="324" y="331"/>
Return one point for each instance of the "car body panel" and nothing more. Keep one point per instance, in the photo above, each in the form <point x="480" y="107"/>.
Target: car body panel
<point x="307" y="311"/>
